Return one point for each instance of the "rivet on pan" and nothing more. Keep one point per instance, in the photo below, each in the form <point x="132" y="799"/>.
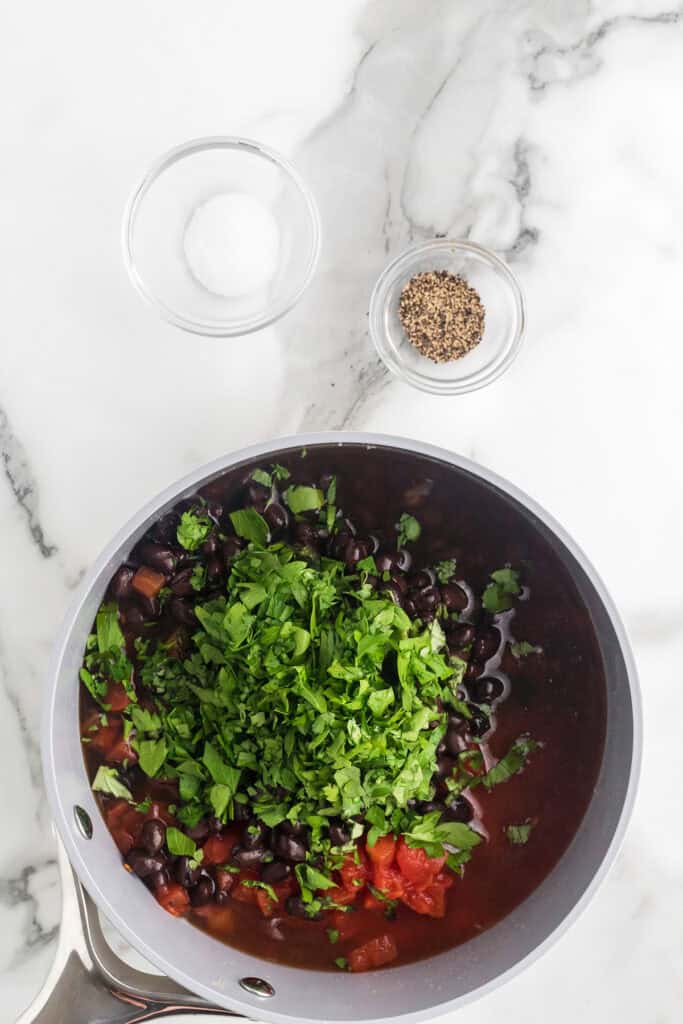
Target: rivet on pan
<point x="83" y="822"/>
<point x="257" y="987"/>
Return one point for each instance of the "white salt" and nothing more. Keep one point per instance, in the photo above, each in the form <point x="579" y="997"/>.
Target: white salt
<point x="232" y="244"/>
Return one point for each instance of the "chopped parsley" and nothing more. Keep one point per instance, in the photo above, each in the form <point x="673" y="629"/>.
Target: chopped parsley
<point x="445" y="570"/>
<point x="193" y="529"/>
<point x="250" y="525"/>
<point x="513" y="762"/>
<point x="333" y="935"/>
<point x="268" y="889"/>
<point x="518" y="835"/>
<point x="198" y="577"/>
<point x="521" y="648"/>
<point x="504" y="586"/>
<point x="342" y="963"/>
<point x="107" y="781"/>
<point x="408" y="529"/>
<point x="301" y="498"/>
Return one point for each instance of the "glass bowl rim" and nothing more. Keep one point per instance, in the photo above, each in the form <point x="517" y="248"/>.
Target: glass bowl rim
<point x="216" y="329"/>
<point x="486" y="374"/>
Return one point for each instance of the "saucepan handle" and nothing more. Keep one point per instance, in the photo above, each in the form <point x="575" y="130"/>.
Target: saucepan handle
<point x="89" y="984"/>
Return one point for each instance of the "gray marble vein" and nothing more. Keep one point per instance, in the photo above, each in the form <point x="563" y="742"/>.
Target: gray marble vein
<point x="22" y="482"/>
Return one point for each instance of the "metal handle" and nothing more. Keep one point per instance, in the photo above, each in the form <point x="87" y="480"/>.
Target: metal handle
<point x="89" y="984"/>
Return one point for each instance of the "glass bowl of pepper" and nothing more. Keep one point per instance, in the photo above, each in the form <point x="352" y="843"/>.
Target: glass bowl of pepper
<point x="447" y="316"/>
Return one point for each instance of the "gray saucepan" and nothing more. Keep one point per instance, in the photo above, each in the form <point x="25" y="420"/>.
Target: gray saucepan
<point x="217" y="973"/>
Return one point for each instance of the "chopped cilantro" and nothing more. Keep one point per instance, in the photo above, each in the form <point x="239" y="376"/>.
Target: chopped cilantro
<point x="342" y="963"/>
<point x="193" y="530"/>
<point x="301" y="498"/>
<point x="181" y="845"/>
<point x="249" y="883"/>
<point x="503" y="588"/>
<point x="198" y="577"/>
<point x="333" y="935"/>
<point x="521" y="648"/>
<point x="513" y="762"/>
<point x="518" y="835"/>
<point x="107" y="781"/>
<point x="408" y="529"/>
<point x="260" y="476"/>
<point x="250" y="525"/>
<point x="280" y="472"/>
<point x="445" y="570"/>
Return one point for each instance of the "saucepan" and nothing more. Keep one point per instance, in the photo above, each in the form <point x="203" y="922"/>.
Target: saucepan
<point x="236" y="982"/>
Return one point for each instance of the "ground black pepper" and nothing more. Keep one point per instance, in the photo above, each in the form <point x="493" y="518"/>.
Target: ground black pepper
<point x="442" y="315"/>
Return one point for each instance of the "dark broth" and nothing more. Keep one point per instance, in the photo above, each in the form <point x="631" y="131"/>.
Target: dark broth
<point x="559" y="698"/>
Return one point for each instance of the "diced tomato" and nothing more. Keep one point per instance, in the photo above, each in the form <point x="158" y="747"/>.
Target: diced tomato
<point x="116" y="697"/>
<point x="383" y="852"/>
<point x="105" y="737"/>
<point x="220" y="919"/>
<point x="354" y="873"/>
<point x="121" y="751"/>
<point x="217" y="849"/>
<point x="417" y="868"/>
<point x="374" y="953"/>
<point x="225" y="880"/>
<point x="147" y="581"/>
<point x="344" y="897"/>
<point x="245" y="893"/>
<point x="430" y="900"/>
<point x="371" y="902"/>
<point x="389" y="881"/>
<point x="173" y="898"/>
<point x="282" y="890"/>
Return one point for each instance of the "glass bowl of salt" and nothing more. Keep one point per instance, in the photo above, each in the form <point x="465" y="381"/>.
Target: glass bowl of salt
<point x="222" y="236"/>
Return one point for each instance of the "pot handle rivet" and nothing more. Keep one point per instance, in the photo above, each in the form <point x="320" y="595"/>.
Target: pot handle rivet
<point x="257" y="987"/>
<point x="83" y="822"/>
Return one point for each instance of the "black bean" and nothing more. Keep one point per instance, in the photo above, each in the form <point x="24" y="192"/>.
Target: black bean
<point x="181" y="611"/>
<point x="355" y="551"/>
<point x="404" y="559"/>
<point x="222" y="897"/>
<point x="153" y="835"/>
<point x="409" y="608"/>
<point x="307" y="535"/>
<point x="180" y="585"/>
<point x="288" y="847"/>
<point x="120" y="585"/>
<point x="150" y="607"/>
<point x="241" y="812"/>
<point x="444" y="767"/>
<point x="386" y="561"/>
<point x="479" y="723"/>
<point x="275" y="872"/>
<point x="486" y="689"/>
<point x="250" y="858"/>
<point x="373" y="541"/>
<point x="215" y="825"/>
<point x="459" y="809"/>
<point x="399" y="579"/>
<point x="255" y="834"/>
<point x="199" y="831"/>
<point x="202" y="892"/>
<point x="296" y="907"/>
<point x="142" y="863"/>
<point x="339" y="835"/>
<point x="214" y="511"/>
<point x="158" y="557"/>
<point x="427" y="599"/>
<point x="276" y="516"/>
<point x="473" y="671"/>
<point x="393" y="590"/>
<point x="257" y="495"/>
<point x="460" y="635"/>
<point x="215" y="567"/>
<point x="453" y="597"/>
<point x="158" y="878"/>
<point x="230" y="548"/>
<point x="486" y="644"/>
<point x="454" y="740"/>
<point x="210" y="545"/>
<point x="165" y="529"/>
<point x="428" y="806"/>
<point x="420" y="580"/>
<point x="184" y="874"/>
<point x="134" y="620"/>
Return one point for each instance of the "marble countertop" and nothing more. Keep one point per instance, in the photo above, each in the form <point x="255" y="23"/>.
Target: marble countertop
<point x="549" y="130"/>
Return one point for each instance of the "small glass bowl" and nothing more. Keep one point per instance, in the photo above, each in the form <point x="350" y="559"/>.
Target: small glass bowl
<point x="503" y="326"/>
<point x="158" y="213"/>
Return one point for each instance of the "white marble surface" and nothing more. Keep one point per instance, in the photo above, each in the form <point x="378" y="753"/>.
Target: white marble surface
<point x="547" y="129"/>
